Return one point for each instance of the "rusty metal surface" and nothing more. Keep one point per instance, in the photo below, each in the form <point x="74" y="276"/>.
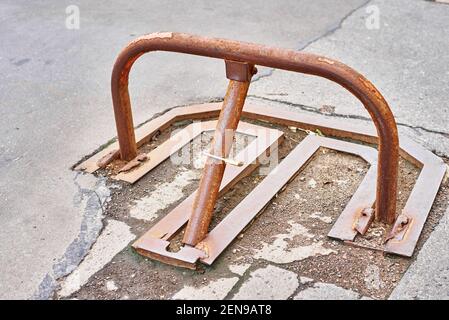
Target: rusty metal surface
<point x="266" y="142"/>
<point x="137" y="161"/>
<point x="239" y="71"/>
<point x="420" y="200"/>
<point x="330" y="127"/>
<point x="364" y="220"/>
<point x="203" y="206"/>
<point x="145" y="132"/>
<point x="166" y="149"/>
<point x="285" y="59"/>
<point x="423" y="194"/>
<point x="174" y="144"/>
<point x="351" y="220"/>
<point x="223" y="234"/>
<point x="154" y="248"/>
<point x="427" y="184"/>
<point x="333" y="127"/>
<point x="408" y="226"/>
<point x="345" y="228"/>
<point x="107" y="158"/>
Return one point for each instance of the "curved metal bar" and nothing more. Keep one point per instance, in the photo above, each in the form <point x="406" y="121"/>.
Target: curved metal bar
<point x="284" y="59"/>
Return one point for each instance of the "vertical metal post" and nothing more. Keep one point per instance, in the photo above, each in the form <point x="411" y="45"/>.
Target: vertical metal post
<point x="122" y="112"/>
<point x="240" y="76"/>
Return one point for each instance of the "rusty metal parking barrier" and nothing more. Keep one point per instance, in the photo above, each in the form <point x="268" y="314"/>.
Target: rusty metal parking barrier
<point x="375" y="198"/>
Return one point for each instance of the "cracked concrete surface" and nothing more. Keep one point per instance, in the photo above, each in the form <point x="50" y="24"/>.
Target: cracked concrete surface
<point x="326" y="291"/>
<point x="57" y="109"/>
<point x="239" y="269"/>
<point x="114" y="238"/>
<point x="279" y="251"/>
<point x="269" y="283"/>
<point x="411" y="74"/>
<point x="92" y="196"/>
<point x="56" y="106"/>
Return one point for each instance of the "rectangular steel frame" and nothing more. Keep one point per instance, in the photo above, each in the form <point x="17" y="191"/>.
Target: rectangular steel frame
<point x="154" y="243"/>
<point x="403" y="238"/>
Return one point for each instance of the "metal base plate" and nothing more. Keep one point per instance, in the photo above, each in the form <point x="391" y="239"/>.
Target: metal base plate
<point x="355" y="218"/>
<point x="223" y="234"/>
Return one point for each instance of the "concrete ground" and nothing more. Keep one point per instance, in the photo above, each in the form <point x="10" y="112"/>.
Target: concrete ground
<point x="56" y="108"/>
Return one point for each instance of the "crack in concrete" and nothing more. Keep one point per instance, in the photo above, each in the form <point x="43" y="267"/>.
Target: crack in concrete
<point x="345" y="116"/>
<point x="302" y="286"/>
<point x="92" y="223"/>
<point x="93" y="199"/>
<point x="263" y="263"/>
<point x="242" y="279"/>
<point x="265" y="73"/>
<point x="304" y="44"/>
